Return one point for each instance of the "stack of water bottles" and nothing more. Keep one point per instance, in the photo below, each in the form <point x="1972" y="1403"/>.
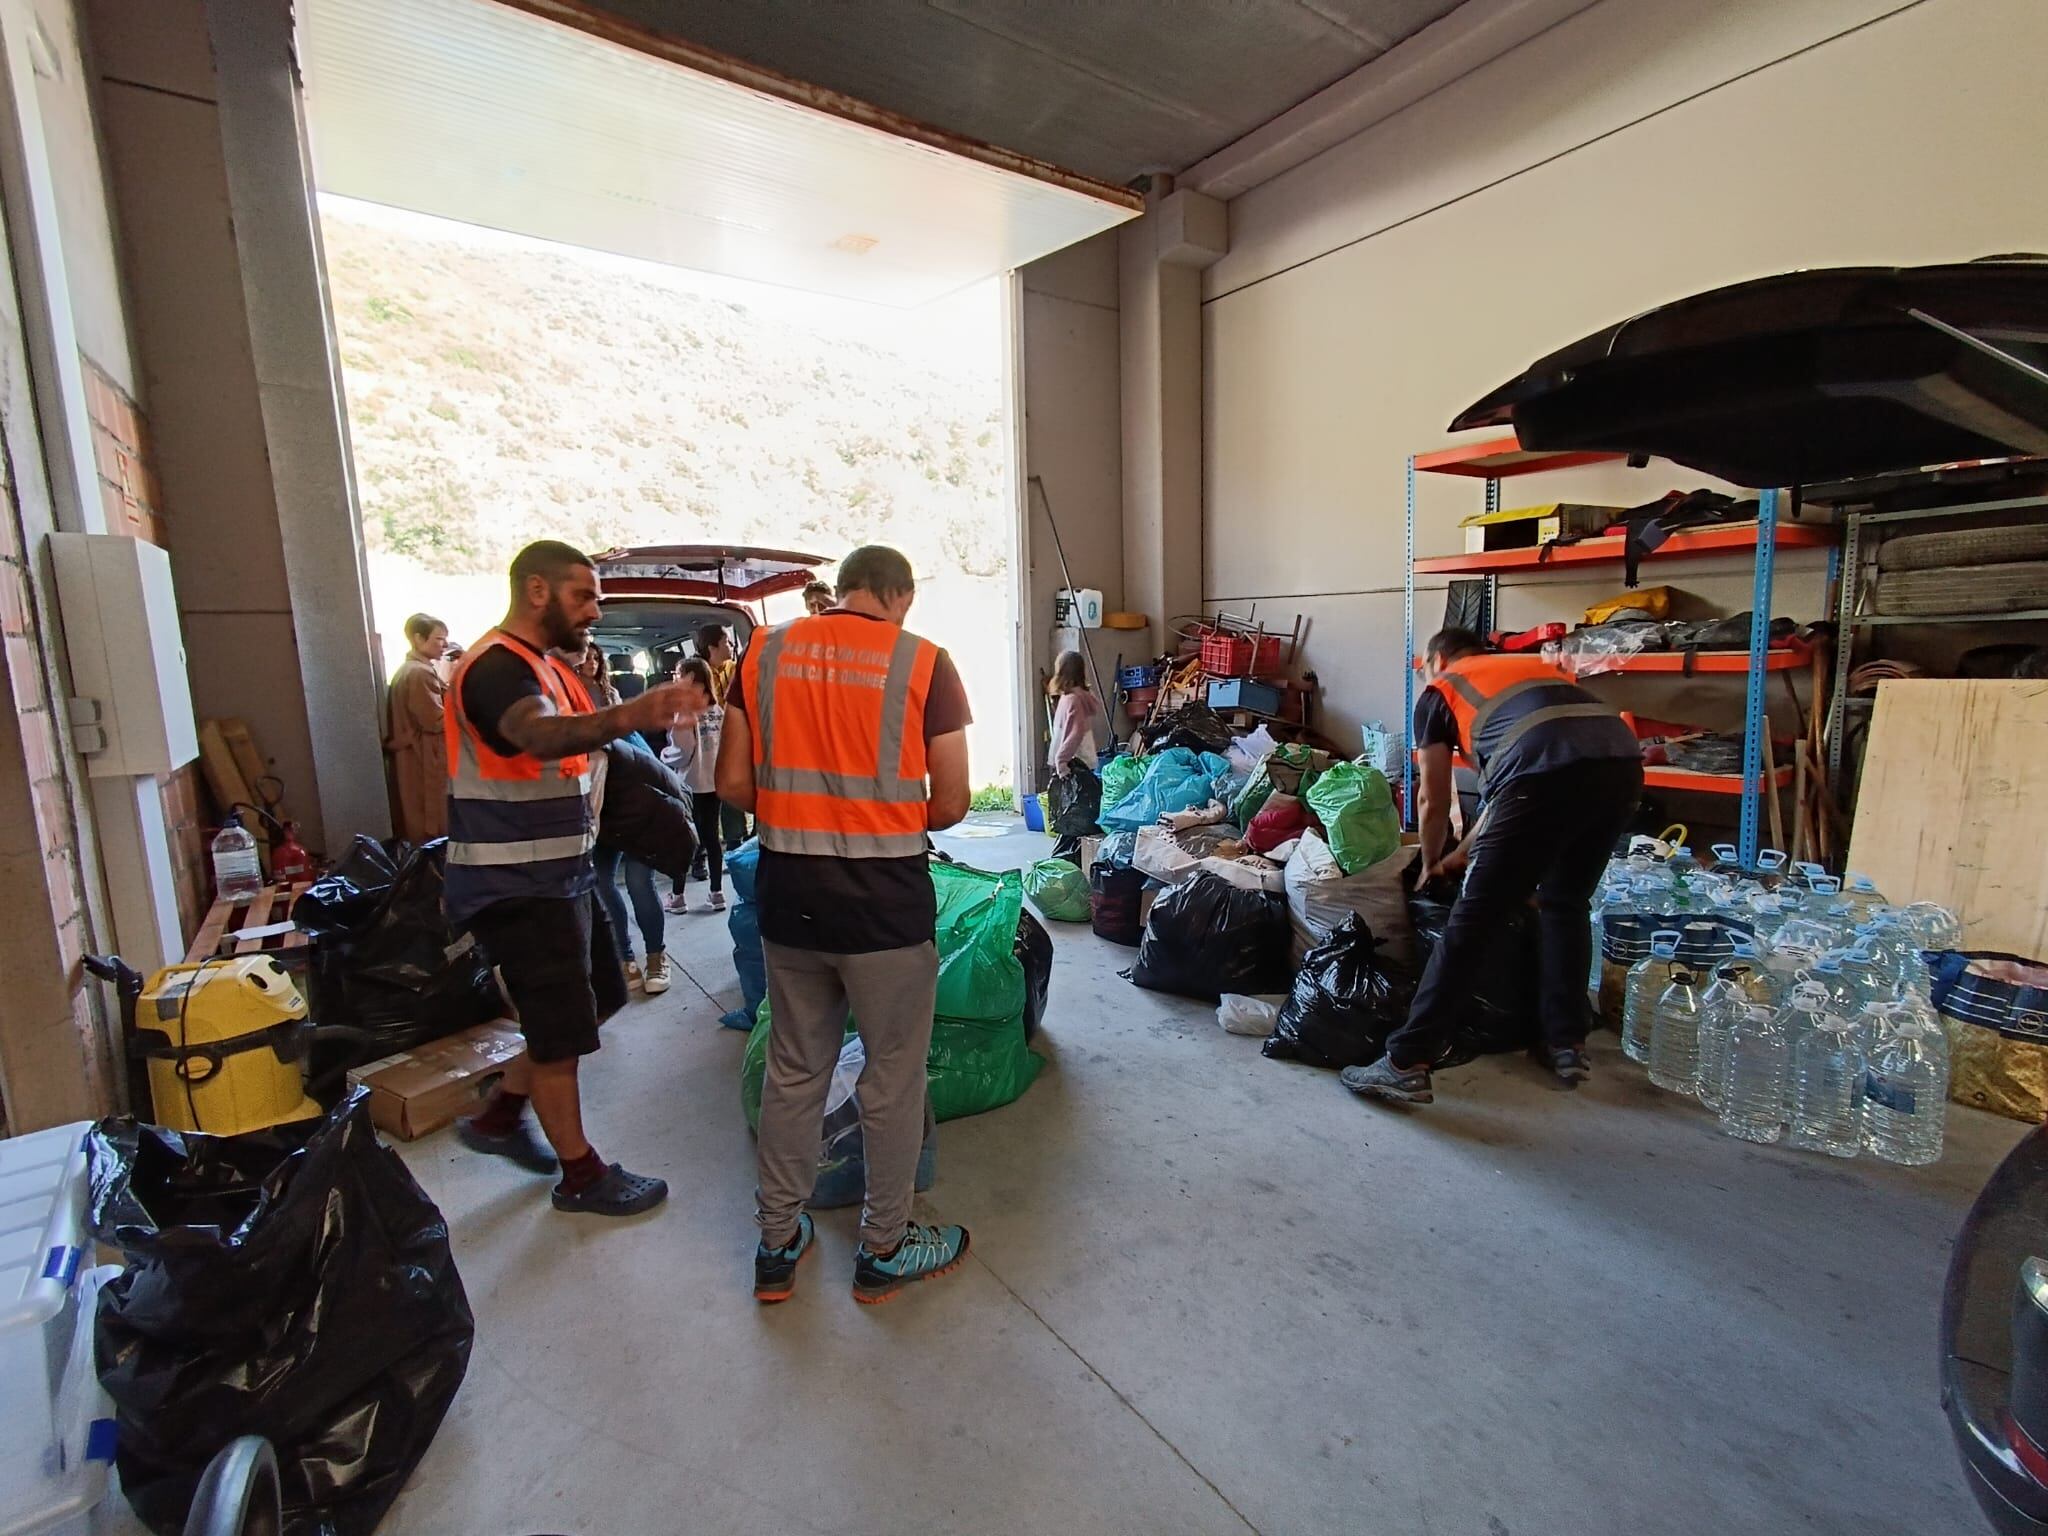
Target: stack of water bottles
<point x="1794" y="1005"/>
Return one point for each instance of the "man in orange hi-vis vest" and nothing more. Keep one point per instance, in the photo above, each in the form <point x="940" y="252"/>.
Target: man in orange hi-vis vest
<point x="1560" y="773"/>
<point x="846" y="736"/>
<point x="523" y="746"/>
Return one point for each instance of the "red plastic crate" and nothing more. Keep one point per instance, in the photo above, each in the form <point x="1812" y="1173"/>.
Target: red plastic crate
<point x="1266" y="660"/>
<point x="1226" y="656"/>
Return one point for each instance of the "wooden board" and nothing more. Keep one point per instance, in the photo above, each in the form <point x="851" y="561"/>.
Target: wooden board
<point x="1953" y="805"/>
<point x="227" y="784"/>
<point x="272" y="904"/>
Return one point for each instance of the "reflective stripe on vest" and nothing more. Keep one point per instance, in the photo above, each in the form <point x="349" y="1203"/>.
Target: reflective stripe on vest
<point x="1477" y="687"/>
<point x="833" y="774"/>
<point x="505" y="812"/>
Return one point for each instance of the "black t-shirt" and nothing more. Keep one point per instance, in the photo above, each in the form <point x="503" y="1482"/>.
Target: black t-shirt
<point x="1435" y="726"/>
<point x="856" y="906"/>
<point x="496" y="681"/>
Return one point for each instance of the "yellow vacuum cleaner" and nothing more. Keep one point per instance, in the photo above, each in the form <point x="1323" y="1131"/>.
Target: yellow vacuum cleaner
<point x="222" y="1040"/>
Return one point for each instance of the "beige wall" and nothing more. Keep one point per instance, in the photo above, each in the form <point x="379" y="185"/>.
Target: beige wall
<point x="1644" y="150"/>
<point x="1070" y="376"/>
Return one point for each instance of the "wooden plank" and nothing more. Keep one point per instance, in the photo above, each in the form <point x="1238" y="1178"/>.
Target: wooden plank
<point x="243" y="745"/>
<point x="255" y="917"/>
<point x="224" y="779"/>
<point x="1953" y="805"/>
<point x="207" y="940"/>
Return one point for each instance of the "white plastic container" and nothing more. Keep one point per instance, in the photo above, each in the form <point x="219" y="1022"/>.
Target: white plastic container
<point x="1078" y="606"/>
<point x="56" y="1433"/>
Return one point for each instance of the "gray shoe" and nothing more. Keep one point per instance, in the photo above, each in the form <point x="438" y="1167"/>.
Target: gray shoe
<point x="1382" y="1080"/>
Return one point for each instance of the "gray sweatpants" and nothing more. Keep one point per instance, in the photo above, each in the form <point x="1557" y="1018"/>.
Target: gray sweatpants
<point x="891" y="993"/>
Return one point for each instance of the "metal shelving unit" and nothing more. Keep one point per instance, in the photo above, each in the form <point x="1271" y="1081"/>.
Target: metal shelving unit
<point x="1851" y="589"/>
<point x="1503" y="457"/>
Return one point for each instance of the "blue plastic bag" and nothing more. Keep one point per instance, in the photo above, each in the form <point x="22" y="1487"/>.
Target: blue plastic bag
<point x="743" y="923"/>
<point x="1178" y="779"/>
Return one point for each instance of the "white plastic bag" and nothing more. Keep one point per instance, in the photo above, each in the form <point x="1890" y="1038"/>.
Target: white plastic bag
<point x="1241" y="1013"/>
<point x="1249" y="873"/>
<point x="1159" y="854"/>
<point x="1249" y="750"/>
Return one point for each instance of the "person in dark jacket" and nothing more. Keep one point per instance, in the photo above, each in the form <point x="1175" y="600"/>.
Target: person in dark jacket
<point x="644" y="827"/>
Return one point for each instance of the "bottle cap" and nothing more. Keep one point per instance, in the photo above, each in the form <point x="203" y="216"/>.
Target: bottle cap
<point x="1810" y="995"/>
<point x="1771" y="860"/>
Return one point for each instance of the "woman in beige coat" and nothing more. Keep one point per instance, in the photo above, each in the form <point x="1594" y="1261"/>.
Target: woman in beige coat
<point x="419" y="751"/>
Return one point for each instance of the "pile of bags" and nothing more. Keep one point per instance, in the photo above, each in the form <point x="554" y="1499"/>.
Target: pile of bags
<point x="1272" y="869"/>
<point x="1221" y="832"/>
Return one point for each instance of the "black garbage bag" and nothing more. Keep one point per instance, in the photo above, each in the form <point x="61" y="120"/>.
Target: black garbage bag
<point x="401" y="973"/>
<point x="293" y="1283"/>
<point x="1117" y="850"/>
<point x="1075" y="799"/>
<point x="1346" y="1000"/>
<point x="1195" y="726"/>
<point x="1034" y="953"/>
<point x="352" y="891"/>
<point x="1115" y="897"/>
<point x="1500" y="1009"/>
<point x="1206" y="937"/>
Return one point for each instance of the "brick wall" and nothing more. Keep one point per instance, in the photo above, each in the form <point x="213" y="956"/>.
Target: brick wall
<point x="41" y="834"/>
<point x="134" y="505"/>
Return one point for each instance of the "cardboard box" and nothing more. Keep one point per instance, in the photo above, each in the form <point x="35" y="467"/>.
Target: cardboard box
<point x="416" y="1092"/>
<point x="1527" y="527"/>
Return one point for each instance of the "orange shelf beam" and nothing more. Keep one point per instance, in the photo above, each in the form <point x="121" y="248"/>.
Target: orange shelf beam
<point x="1608" y="550"/>
<point x="1789" y="659"/>
<point x="1658" y="776"/>
<point x="1502" y="458"/>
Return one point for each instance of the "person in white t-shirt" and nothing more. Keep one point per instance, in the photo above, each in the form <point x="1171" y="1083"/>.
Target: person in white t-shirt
<point x="694" y="755"/>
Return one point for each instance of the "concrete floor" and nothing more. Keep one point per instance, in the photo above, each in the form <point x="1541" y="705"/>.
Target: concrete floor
<point x="1209" y="1293"/>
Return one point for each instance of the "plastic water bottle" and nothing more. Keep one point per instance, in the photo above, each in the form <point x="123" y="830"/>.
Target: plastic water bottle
<point x="1647" y="979"/>
<point x="1753" y="1095"/>
<point x="1932" y="926"/>
<point x="237" y="872"/>
<point x="1827" y="1085"/>
<point x="1675" y="1033"/>
<point x="1737" y="982"/>
<point x="1905" y="1086"/>
<point x="1601" y="898"/>
<point x="1862" y="894"/>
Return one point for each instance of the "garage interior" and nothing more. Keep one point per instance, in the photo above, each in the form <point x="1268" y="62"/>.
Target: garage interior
<point x="1260" y="253"/>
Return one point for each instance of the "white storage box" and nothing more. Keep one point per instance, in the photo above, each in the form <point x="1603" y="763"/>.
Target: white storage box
<point x="56" y="1435"/>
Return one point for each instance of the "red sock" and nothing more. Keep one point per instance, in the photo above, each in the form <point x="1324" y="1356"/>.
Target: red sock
<point x="501" y="1116"/>
<point x="580" y="1173"/>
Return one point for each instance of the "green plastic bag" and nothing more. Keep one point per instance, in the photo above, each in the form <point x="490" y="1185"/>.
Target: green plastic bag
<point x="1120" y="775"/>
<point x="1356" y="807"/>
<point x="974" y="1065"/>
<point x="1290" y="768"/>
<point x="978" y="1057"/>
<point x="1057" y="889"/>
<point x="980" y="976"/>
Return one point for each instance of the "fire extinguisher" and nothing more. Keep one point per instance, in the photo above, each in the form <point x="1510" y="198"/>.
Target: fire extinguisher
<point x="289" y="861"/>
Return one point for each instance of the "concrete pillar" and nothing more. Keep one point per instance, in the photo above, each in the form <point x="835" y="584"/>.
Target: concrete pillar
<point x="1160" y="262"/>
<point x="298" y="379"/>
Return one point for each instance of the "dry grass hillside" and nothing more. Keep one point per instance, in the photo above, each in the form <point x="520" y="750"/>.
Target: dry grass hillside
<point x="500" y="395"/>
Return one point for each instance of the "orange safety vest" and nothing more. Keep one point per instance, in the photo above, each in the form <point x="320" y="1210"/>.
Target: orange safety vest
<point x="837" y="708"/>
<point x="517" y="826"/>
<point x="1496" y="700"/>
